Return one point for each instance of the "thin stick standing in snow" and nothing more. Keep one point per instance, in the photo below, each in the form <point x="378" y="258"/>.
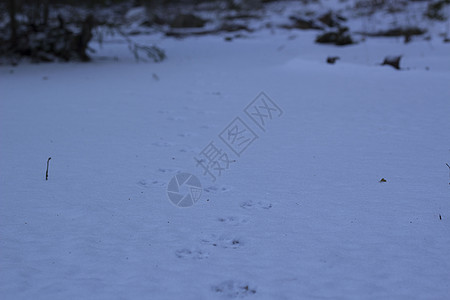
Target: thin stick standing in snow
<point x="46" y="172"/>
<point x="449" y="170"/>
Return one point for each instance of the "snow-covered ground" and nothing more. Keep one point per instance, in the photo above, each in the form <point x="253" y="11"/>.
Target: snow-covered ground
<point x="302" y="214"/>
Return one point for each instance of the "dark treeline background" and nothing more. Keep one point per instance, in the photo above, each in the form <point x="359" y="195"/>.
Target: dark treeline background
<point x="44" y="29"/>
<point x="49" y="30"/>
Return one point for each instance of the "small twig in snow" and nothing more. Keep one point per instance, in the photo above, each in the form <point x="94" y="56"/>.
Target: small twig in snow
<point x="46" y="172"/>
<point x="449" y="170"/>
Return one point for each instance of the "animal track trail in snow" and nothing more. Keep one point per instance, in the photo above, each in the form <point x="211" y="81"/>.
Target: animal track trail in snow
<point x="191" y="254"/>
<point x="233" y="289"/>
<point x="145" y="184"/>
<point x="223" y="241"/>
<point x="256" y="205"/>
<point x="214" y="189"/>
<point x="164" y="170"/>
<point x="187" y="134"/>
<point x="232" y="220"/>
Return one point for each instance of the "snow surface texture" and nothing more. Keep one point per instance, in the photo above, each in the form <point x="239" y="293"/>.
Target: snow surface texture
<point x="300" y="215"/>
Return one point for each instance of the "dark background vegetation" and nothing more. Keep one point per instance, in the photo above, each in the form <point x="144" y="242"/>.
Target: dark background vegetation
<point x="60" y="30"/>
<point x="48" y="30"/>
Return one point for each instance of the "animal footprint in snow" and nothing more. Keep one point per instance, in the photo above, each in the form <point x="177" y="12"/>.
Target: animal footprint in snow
<point x="193" y="254"/>
<point x="223" y="242"/>
<point x="217" y="189"/>
<point x="260" y="204"/>
<point x="156" y="182"/>
<point x="233" y="220"/>
<point x="142" y="182"/>
<point x="234" y="289"/>
<point x="187" y="134"/>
